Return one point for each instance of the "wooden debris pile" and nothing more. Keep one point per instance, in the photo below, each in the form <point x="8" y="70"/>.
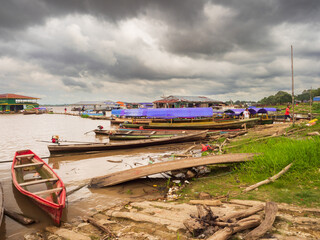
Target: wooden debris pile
<point x="207" y="225"/>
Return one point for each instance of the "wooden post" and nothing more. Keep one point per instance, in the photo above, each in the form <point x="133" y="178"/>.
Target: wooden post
<point x="311" y="103"/>
<point x="293" y="118"/>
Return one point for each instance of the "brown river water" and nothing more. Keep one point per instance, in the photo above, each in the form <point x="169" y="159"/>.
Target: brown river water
<point x="20" y="132"/>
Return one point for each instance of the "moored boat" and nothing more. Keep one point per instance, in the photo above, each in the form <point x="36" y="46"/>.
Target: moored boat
<point x="1" y="203"/>
<point x="131" y="134"/>
<point x="126" y="144"/>
<point x="230" y="124"/>
<point x="35" y="179"/>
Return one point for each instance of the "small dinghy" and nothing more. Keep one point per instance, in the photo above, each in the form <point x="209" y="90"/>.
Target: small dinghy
<point x="35" y="179"/>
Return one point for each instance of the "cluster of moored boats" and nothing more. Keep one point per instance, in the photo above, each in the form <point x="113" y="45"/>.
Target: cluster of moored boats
<point x="35" y="179"/>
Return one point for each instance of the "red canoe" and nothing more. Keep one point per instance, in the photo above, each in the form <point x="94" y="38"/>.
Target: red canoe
<point x="34" y="178"/>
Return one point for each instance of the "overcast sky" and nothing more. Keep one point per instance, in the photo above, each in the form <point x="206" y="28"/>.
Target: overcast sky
<point x="65" y="51"/>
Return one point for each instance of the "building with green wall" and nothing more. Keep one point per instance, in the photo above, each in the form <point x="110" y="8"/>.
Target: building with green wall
<point x="14" y="103"/>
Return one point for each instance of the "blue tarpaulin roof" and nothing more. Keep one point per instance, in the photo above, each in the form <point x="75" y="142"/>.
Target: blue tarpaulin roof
<point x="165" y="112"/>
<point x="317" y="98"/>
<point x="239" y="111"/>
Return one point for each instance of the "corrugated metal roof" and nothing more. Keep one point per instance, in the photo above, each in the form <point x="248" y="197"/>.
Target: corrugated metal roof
<point x="10" y="95"/>
<point x="173" y="98"/>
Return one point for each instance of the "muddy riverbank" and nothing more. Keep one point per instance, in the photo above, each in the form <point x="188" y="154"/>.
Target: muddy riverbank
<point x="27" y="132"/>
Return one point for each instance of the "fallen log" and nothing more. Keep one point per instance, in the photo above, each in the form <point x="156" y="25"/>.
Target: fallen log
<point x="242" y="214"/>
<point x="243" y="224"/>
<point x="270" y="215"/>
<point x="206" y="202"/>
<point x="20" y="218"/>
<point x="272" y="179"/>
<point x="100" y="226"/>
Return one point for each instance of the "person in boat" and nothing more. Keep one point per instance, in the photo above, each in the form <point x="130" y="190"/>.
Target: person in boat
<point x="287" y="113"/>
<point x="246" y="114"/>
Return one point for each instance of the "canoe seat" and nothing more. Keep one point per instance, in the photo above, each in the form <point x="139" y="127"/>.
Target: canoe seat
<point x="29" y="165"/>
<point x="46" y="192"/>
<point x="38" y="181"/>
<point x="25" y="156"/>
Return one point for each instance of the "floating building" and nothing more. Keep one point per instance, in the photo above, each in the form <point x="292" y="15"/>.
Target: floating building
<point x="186" y="101"/>
<point x="13" y="103"/>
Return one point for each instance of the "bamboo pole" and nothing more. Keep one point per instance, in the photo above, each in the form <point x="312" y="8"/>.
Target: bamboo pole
<point x="293" y="117"/>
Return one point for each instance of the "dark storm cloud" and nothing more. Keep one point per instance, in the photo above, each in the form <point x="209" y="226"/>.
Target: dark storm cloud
<point x="73" y="83"/>
<point x="216" y="47"/>
<point x="15" y="14"/>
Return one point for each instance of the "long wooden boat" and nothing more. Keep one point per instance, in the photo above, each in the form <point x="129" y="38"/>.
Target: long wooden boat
<point x="1" y="204"/>
<point x="35" y="179"/>
<point x="126" y="144"/>
<point x="198" y="125"/>
<point x="131" y="134"/>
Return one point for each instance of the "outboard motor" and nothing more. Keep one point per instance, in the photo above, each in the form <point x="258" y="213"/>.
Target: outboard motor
<point x="55" y="139"/>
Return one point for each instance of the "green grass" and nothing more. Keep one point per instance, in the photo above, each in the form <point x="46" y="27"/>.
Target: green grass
<point x="300" y="185"/>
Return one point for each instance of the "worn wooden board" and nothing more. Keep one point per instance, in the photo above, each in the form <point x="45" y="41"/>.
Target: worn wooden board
<point x="135" y="173"/>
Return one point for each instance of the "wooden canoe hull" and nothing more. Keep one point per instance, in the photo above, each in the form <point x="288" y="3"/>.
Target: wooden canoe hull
<point x="52" y="207"/>
<point x="128" y="144"/>
<point x="1" y="203"/>
<point x="138" y="172"/>
<point x="198" y="125"/>
<point x="130" y="134"/>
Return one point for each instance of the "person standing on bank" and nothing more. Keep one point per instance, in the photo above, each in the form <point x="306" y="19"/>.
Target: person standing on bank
<point x="287" y="113"/>
<point x="246" y="114"/>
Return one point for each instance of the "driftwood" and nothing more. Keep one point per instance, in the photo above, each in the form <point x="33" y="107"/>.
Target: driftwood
<point x="189" y="149"/>
<point x="100" y="226"/>
<point x="270" y="215"/>
<point x="115" y="161"/>
<point x="76" y="189"/>
<point x="243" y="224"/>
<point x="220" y="228"/>
<point x="206" y="202"/>
<point x="313" y="134"/>
<point x="19" y="217"/>
<point x="242" y="214"/>
<point x="272" y="179"/>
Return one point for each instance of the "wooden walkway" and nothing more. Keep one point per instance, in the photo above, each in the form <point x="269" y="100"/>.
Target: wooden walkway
<point x="135" y="173"/>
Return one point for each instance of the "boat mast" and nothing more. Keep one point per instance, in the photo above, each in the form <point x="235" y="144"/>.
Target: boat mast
<point x="293" y="118"/>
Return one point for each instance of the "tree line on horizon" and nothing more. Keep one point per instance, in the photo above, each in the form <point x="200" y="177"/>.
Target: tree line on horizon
<point x="282" y="97"/>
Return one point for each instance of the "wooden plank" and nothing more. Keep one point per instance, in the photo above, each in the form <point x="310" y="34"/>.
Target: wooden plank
<point x="45" y="192"/>
<point x="135" y="173"/>
<point x="28" y="165"/>
<point x="38" y="181"/>
<point x="129" y="132"/>
<point x="25" y="156"/>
